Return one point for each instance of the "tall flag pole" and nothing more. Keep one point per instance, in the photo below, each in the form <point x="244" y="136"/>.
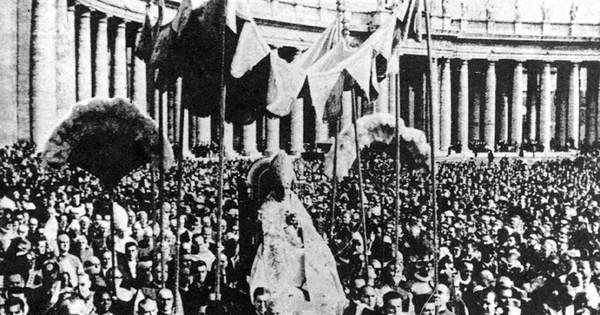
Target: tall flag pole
<point x="398" y="168"/>
<point x="342" y="32"/>
<point x="430" y="61"/>
<point x="223" y="87"/>
<point x="179" y="190"/>
<point x="360" y="181"/>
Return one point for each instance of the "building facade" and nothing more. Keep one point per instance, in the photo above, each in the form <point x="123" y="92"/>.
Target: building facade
<point x="505" y="71"/>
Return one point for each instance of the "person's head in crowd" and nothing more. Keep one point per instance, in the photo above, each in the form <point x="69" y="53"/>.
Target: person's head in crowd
<point x="533" y="241"/>
<point x="147" y="307"/>
<point x="201" y="271"/>
<point x="428" y="309"/>
<point x="161" y="274"/>
<point x="262" y="301"/>
<point x="466" y="270"/>
<point x="14" y="280"/>
<point x="92" y="266"/>
<point x="116" y="275"/>
<point x="131" y="251"/>
<point x="131" y="217"/>
<point x="104" y="228"/>
<point x="33" y="225"/>
<point x="106" y="259"/>
<point x="354" y="287"/>
<point x="14" y="306"/>
<point x="487" y="304"/>
<point x="142" y="217"/>
<point x="442" y="297"/>
<point x="165" y="300"/>
<point x="186" y="278"/>
<point x="148" y="235"/>
<point x="84" y="285"/>
<point x="102" y="301"/>
<point x="394" y="303"/>
<point x="584" y="268"/>
<point x="199" y="245"/>
<point x="206" y="220"/>
<point x="549" y="247"/>
<point x="207" y="233"/>
<point x="505" y="299"/>
<point x="70" y="304"/>
<point x="368" y="296"/>
<point x="145" y="274"/>
<point x="392" y="274"/>
<point x="137" y="232"/>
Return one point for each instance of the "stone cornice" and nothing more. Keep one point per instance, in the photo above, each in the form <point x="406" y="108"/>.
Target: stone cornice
<point x="290" y="23"/>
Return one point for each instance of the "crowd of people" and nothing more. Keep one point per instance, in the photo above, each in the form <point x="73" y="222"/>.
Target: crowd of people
<point x="513" y="237"/>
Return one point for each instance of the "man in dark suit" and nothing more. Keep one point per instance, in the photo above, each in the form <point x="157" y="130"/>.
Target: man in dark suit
<point x="366" y="303"/>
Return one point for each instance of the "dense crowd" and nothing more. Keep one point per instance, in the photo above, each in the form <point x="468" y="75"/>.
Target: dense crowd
<point x="514" y="237"/>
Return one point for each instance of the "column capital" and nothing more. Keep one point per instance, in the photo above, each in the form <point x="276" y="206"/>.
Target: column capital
<point x="101" y="16"/>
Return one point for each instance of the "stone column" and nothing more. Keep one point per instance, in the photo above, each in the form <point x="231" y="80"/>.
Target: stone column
<point x="43" y="70"/>
<point x="297" y="128"/>
<point x="272" y="134"/>
<point x="532" y="101"/>
<point x="573" y="112"/>
<point x="446" y="107"/>
<point x="476" y="98"/>
<point x="346" y="118"/>
<point x="516" y="112"/>
<point x="382" y="102"/>
<point x="412" y="120"/>
<point x="503" y="116"/>
<point x="322" y="131"/>
<point x="393" y="95"/>
<point x="23" y="16"/>
<point x="249" y="139"/>
<point x="204" y="130"/>
<point x="187" y="128"/>
<point x="228" y="139"/>
<point x="562" y="100"/>
<point x="463" y="105"/>
<point x="101" y="59"/>
<point x="489" y="110"/>
<point x="9" y="72"/>
<point x="65" y="58"/>
<point x="119" y="63"/>
<point x="138" y="94"/>
<point x="419" y="100"/>
<point x="84" y="56"/>
<point x="177" y="92"/>
<point x="592" y="102"/>
<point x="545" y="107"/>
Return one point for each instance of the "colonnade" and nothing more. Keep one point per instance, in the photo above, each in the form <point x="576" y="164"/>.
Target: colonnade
<point x="69" y="53"/>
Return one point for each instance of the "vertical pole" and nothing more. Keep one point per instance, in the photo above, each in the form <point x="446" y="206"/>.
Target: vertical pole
<point x="360" y="181"/>
<point x="221" y="151"/>
<point x="334" y="179"/>
<point x="398" y="168"/>
<point x="179" y="193"/>
<point x="340" y="13"/>
<point x="161" y="187"/>
<point x="433" y="170"/>
<point x="112" y="236"/>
